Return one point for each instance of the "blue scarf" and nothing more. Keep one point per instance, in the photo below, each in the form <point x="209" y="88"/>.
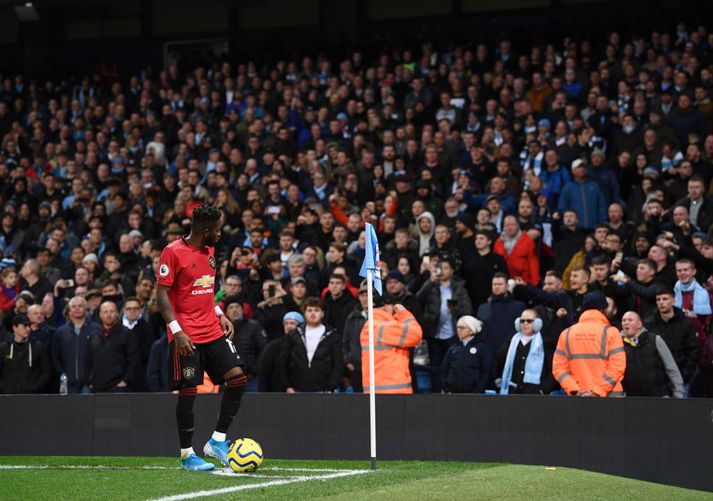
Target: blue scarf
<point x="701" y="300"/>
<point x="533" y="364"/>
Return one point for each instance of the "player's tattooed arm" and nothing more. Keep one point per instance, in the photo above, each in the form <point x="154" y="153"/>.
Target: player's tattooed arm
<point x="164" y="304"/>
<point x="184" y="345"/>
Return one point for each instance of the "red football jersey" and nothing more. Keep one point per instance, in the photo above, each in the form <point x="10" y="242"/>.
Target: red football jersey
<point x="190" y="273"/>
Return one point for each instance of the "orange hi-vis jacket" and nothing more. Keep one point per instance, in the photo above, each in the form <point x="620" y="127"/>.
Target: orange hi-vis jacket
<point x="393" y="336"/>
<point x="590" y="356"/>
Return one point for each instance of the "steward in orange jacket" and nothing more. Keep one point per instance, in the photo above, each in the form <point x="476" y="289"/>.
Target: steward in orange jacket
<point x="590" y="359"/>
<point x="395" y="331"/>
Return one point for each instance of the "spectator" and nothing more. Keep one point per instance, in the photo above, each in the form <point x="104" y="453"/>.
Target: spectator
<point x="466" y="366"/>
<point x="24" y="364"/>
<point x="498" y="314"/>
<point x="395" y="331"/>
<point x="584" y="197"/>
<point x="479" y="266"/>
<point x="677" y="331"/>
<point x="113" y="358"/>
<point x="651" y="370"/>
<point x="33" y="280"/>
<point x="270" y="377"/>
<point x="590" y="359"/>
<point x="144" y="335"/>
<point x="698" y="203"/>
<point x="249" y="339"/>
<point x="69" y="345"/>
<point x="444" y="299"/>
<point x="10" y="289"/>
<point x="350" y="338"/>
<point x="568" y="240"/>
<point x="519" y="251"/>
<point x="526" y="363"/>
<point x="641" y="292"/>
<point x="692" y="298"/>
<point x="272" y="308"/>
<point x="338" y="303"/>
<point x="311" y="356"/>
<point x="157" y="367"/>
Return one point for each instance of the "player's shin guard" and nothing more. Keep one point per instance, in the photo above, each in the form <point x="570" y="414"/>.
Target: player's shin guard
<point x="234" y="387"/>
<point x="184" y="416"/>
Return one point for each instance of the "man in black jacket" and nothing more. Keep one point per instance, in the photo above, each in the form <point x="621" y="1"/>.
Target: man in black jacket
<point x="478" y="266"/>
<point x="249" y="339"/>
<point x="145" y="336"/>
<point x="24" y="364"/>
<point x="270" y="377"/>
<point x="311" y="357"/>
<point x="698" y="203"/>
<point x="113" y="358"/>
<point x="678" y="331"/>
<point x="651" y="370"/>
<point x="338" y="302"/>
<point x="351" y="344"/>
<point x="157" y="370"/>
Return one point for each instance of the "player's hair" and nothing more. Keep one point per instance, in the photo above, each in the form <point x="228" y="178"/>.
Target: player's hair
<point x="205" y="215"/>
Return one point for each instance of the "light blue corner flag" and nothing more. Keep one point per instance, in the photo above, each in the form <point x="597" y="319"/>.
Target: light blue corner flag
<point x="372" y="259"/>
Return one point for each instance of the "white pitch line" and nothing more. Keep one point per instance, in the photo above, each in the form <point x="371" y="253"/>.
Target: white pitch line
<point x="272" y="483"/>
<point x="81" y="467"/>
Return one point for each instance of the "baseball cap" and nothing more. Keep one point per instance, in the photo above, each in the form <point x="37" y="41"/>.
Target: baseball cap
<point x="395" y="275"/>
<point x="578" y="163"/>
<point x="594" y="301"/>
<point x="297" y="280"/>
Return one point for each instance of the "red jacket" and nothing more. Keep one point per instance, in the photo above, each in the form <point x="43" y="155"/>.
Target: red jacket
<point x="522" y="261"/>
<point x="7" y="304"/>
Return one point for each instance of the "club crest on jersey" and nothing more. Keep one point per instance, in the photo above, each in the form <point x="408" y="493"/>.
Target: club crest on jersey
<point x="163" y="270"/>
<point x="211" y="262"/>
<point x="189" y="372"/>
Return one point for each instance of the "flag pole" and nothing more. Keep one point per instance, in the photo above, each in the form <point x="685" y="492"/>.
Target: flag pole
<point x="372" y="393"/>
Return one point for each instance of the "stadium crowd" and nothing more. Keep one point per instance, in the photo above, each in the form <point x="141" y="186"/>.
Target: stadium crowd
<point x="506" y="186"/>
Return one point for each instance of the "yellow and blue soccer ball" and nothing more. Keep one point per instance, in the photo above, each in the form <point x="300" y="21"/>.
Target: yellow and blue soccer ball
<point x="245" y="455"/>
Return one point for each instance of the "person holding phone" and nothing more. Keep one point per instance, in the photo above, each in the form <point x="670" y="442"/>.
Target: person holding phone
<point x="444" y="299"/>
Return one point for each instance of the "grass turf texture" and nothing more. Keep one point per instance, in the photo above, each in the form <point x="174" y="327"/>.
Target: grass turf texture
<point x="129" y="478"/>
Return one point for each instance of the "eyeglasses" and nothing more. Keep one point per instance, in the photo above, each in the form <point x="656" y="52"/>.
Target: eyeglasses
<point x="527" y="320"/>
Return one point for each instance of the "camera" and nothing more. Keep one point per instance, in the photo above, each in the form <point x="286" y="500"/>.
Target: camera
<point x="271" y="290"/>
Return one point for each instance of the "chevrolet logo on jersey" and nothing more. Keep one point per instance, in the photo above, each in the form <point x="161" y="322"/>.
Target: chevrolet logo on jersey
<point x="205" y="281"/>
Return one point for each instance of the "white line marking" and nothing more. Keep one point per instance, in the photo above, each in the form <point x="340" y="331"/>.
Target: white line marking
<point x="82" y="467"/>
<point x="271" y="483"/>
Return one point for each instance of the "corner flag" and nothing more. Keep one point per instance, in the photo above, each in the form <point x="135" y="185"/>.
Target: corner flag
<point x="372" y="259"/>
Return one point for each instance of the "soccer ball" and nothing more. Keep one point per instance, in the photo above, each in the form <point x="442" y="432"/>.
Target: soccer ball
<point x="245" y="455"/>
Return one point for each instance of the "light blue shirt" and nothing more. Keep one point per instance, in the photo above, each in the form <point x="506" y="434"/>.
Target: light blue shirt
<point x="445" y="324"/>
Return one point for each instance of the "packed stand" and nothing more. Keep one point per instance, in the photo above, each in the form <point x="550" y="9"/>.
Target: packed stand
<point x="506" y="187"/>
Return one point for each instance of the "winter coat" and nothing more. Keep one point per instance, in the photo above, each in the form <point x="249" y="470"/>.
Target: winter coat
<point x="69" y="351"/>
<point x="249" y="339"/>
<point x="24" y="367"/>
<point x="498" y="316"/>
<point x="351" y="347"/>
<point x="337" y="310"/>
<point x="466" y="369"/>
<point x="680" y="335"/>
<point x="157" y="368"/>
<point x="323" y="373"/>
<point x="113" y="357"/>
<point x="430" y="296"/>
<point x="651" y="370"/>
<point x="587" y="200"/>
<point x="523" y="260"/>
<point x="478" y="271"/>
<point x="270" y="377"/>
<point x="590" y="356"/>
<point x="393" y="336"/>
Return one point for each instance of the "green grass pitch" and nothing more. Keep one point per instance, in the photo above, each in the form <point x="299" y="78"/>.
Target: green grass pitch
<point x="111" y="478"/>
